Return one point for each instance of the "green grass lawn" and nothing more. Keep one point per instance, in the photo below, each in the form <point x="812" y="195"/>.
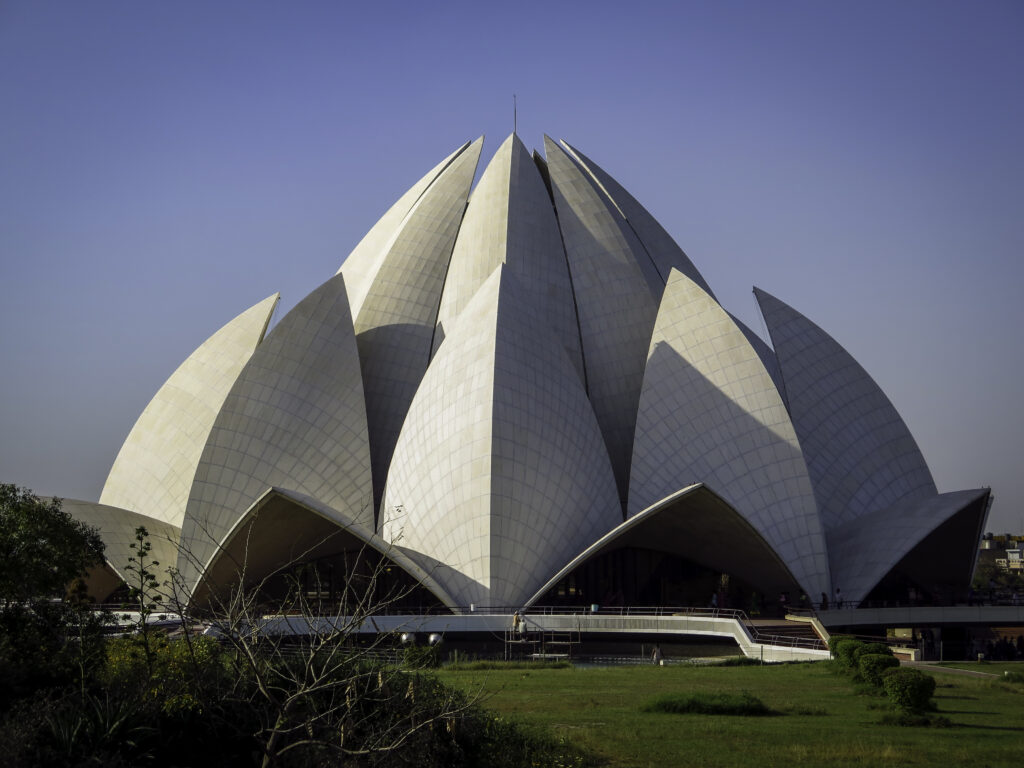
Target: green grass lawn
<point x="822" y="719"/>
<point x="989" y="667"/>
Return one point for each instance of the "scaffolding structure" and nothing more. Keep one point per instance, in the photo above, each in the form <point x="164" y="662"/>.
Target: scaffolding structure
<point x="522" y="643"/>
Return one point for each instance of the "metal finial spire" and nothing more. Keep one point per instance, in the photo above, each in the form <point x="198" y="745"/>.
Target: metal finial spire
<point x="515" y="115"/>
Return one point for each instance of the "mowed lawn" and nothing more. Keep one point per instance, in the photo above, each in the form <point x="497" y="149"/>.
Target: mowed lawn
<point x="988" y="667"/>
<point x="822" y="719"/>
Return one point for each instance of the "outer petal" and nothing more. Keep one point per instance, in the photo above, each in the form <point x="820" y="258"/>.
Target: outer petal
<point x="766" y="353"/>
<point x="863" y="551"/>
<point x="395" y="324"/>
<point x="361" y="266"/>
<point x="710" y="413"/>
<point x="663" y="250"/>
<point x="118" y="527"/>
<point x="510" y="221"/>
<point x="153" y="472"/>
<point x="860" y="454"/>
<point x="281" y="528"/>
<point x="295" y="419"/>
<point x="500" y="471"/>
<point x="692" y="523"/>
<point x="617" y="289"/>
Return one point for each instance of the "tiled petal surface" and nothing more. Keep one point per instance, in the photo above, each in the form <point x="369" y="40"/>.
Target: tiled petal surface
<point x="295" y="419"/>
<point x="153" y="472"/>
<point x="860" y="454"/>
<point x="710" y="413"/>
<point x="500" y="470"/>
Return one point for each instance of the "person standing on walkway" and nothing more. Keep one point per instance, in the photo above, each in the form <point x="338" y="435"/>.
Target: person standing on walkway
<point x="656" y="657"/>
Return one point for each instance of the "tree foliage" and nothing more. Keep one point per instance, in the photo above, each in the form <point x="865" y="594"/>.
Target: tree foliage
<point x="318" y="692"/>
<point x="49" y="633"/>
<point x="988" y="577"/>
<point x="42" y="548"/>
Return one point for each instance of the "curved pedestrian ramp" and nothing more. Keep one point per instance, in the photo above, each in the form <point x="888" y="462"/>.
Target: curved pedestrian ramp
<point x="780" y="640"/>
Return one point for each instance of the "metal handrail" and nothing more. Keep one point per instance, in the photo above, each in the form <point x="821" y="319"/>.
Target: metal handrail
<point x="755" y="635"/>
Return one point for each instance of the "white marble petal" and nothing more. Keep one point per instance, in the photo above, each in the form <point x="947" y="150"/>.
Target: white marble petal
<point x="510" y="221"/>
<point x="118" y="527"/>
<point x="361" y="266"/>
<point x="710" y="413"/>
<point x="395" y="324"/>
<point x="154" y="469"/>
<point x="691" y="524"/>
<point x="864" y="550"/>
<point x="500" y="471"/>
<point x="658" y="243"/>
<point x="860" y="454"/>
<point x="282" y="527"/>
<point x="765" y="352"/>
<point x="295" y="419"/>
<point x="617" y="290"/>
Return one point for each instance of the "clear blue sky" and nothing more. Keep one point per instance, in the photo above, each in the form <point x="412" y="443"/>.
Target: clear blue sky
<point x="165" y="165"/>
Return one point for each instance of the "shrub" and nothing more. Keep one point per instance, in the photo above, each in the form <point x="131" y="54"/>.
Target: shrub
<point x="881" y="648"/>
<point x="181" y="672"/>
<point x="739" y="661"/>
<point x="24" y="737"/>
<point x="872" y="666"/>
<point x="709" y="704"/>
<point x="846" y="653"/>
<point x="909" y="689"/>
<point x="499" y="743"/>
<point x="421" y="657"/>
<point x="835" y="640"/>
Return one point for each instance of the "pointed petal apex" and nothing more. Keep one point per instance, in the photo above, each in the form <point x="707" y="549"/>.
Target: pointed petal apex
<point x="860" y="453"/>
<point x="147" y="477"/>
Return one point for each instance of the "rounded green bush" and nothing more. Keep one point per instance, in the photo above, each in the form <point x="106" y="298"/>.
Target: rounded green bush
<point x="909" y="689"/>
<point x="835" y="640"/>
<point x="873" y="665"/>
<point x="846" y="653"/>
<point x="873" y="648"/>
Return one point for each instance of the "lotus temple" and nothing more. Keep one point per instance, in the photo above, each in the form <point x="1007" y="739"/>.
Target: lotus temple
<point x="521" y="394"/>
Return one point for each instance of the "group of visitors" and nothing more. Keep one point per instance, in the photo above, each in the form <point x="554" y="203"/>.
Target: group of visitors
<point x="1005" y="649"/>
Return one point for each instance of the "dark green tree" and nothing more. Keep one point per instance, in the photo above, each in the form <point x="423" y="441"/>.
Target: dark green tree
<point x="44" y="621"/>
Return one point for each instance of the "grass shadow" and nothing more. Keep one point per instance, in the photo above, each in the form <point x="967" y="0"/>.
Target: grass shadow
<point x="736" y="704"/>
<point x="964" y="712"/>
<point x="1019" y="729"/>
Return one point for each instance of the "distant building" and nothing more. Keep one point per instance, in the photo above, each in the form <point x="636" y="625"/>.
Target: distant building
<point x="1013" y="561"/>
<point x="1003" y="551"/>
